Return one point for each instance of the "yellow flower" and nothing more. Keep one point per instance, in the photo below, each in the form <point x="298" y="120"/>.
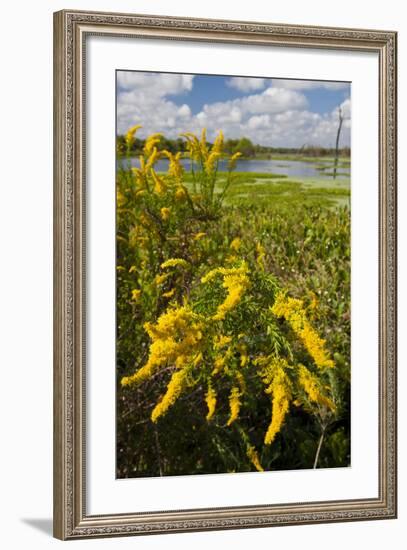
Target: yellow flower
<point x="135" y="294"/>
<point x="174" y="390"/>
<point x="254" y="458"/>
<point x="175" y="336"/>
<point x="221" y="341"/>
<point x="312" y="388"/>
<point x="235" y="244"/>
<point x="232" y="161"/>
<point x="180" y="193"/>
<point x="219" y="363"/>
<point x="313" y="301"/>
<point x="193" y="145"/>
<point x="199" y="236"/>
<point x="174" y="262"/>
<point x="279" y="387"/>
<point x="293" y="311"/>
<point x="234" y="405"/>
<point x="160" y="187"/>
<point x="218" y="143"/>
<point x="241" y="381"/>
<point x="243" y="357"/>
<point x="204" y="148"/>
<point x="160" y="279"/>
<point x="150" y="143"/>
<point x="212" y="159"/>
<point x="197" y="359"/>
<point x="261" y="254"/>
<point x="236" y="286"/>
<point x="169" y="294"/>
<point x="121" y="199"/>
<point x="210" y="399"/>
<point x="165" y="213"/>
<point x="175" y="168"/>
<point x="152" y="159"/>
<point x="236" y="282"/>
<point x="129" y="137"/>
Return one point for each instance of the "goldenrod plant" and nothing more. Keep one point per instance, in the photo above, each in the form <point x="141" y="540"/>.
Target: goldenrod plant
<point x="215" y="352"/>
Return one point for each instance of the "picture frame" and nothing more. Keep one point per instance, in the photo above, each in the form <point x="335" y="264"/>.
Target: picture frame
<point x="72" y="29"/>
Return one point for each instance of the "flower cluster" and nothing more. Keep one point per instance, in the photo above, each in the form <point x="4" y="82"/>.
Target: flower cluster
<point x="293" y="311"/>
<point x="235" y="281"/>
<point x="175" y="340"/>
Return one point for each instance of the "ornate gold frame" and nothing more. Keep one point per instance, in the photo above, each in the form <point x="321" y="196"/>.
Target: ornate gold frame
<point x="70" y="31"/>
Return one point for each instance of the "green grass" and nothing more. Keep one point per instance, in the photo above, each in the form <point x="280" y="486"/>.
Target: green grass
<point x="279" y="192"/>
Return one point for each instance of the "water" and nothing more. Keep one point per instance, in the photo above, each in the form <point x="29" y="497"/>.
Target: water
<point x="290" y="168"/>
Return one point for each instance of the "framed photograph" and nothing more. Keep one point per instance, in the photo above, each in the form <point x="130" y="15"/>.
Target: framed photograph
<point x="225" y="274"/>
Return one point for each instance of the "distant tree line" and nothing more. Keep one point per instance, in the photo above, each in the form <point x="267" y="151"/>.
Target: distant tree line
<point x="243" y="145"/>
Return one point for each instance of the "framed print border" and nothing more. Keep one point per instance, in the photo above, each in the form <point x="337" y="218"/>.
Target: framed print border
<point x="70" y="31"/>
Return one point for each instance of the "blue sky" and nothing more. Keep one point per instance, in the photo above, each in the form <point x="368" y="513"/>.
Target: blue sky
<point x="269" y="111"/>
<point x="210" y="89"/>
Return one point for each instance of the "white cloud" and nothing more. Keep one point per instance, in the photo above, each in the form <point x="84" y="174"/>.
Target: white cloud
<point x="276" y="116"/>
<point x="143" y="98"/>
<point x="272" y="100"/>
<point x="308" y="84"/>
<point x="246" y="84"/>
<point x="159" y="84"/>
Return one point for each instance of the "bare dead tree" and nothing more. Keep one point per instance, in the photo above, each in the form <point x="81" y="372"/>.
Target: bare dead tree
<point x="338" y="134"/>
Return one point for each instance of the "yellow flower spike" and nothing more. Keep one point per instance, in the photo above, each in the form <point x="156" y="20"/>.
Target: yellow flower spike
<point x="232" y="161"/>
<point x="293" y="311"/>
<point x="235" y="281"/>
<point x="175" y="336"/>
<point x="135" y="294"/>
<point x="169" y="294"/>
<point x="165" y="213"/>
<point x="204" y="147"/>
<point x="120" y="199"/>
<point x="244" y="358"/>
<point x="129" y="137"/>
<point x="254" y="458"/>
<point x="221" y="341"/>
<point x="152" y="159"/>
<point x="261" y="254"/>
<point x="199" y="236"/>
<point x="241" y="381"/>
<point x="280" y="390"/>
<point x="150" y="143"/>
<point x="197" y="359"/>
<point x="210" y="399"/>
<point x="312" y="388"/>
<point x="160" y="279"/>
<point x="219" y="363"/>
<point x="174" y="262"/>
<point x="313" y="301"/>
<point x="180" y="193"/>
<point x="160" y="188"/>
<point x="236" y="287"/>
<point x="210" y="162"/>
<point x="234" y="405"/>
<point x="236" y="244"/>
<point x="218" y="143"/>
<point x="193" y="145"/>
<point x="175" y="168"/>
<point x="174" y="390"/>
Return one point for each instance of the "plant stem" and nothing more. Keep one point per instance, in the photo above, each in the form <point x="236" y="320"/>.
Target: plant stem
<point x="321" y="440"/>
